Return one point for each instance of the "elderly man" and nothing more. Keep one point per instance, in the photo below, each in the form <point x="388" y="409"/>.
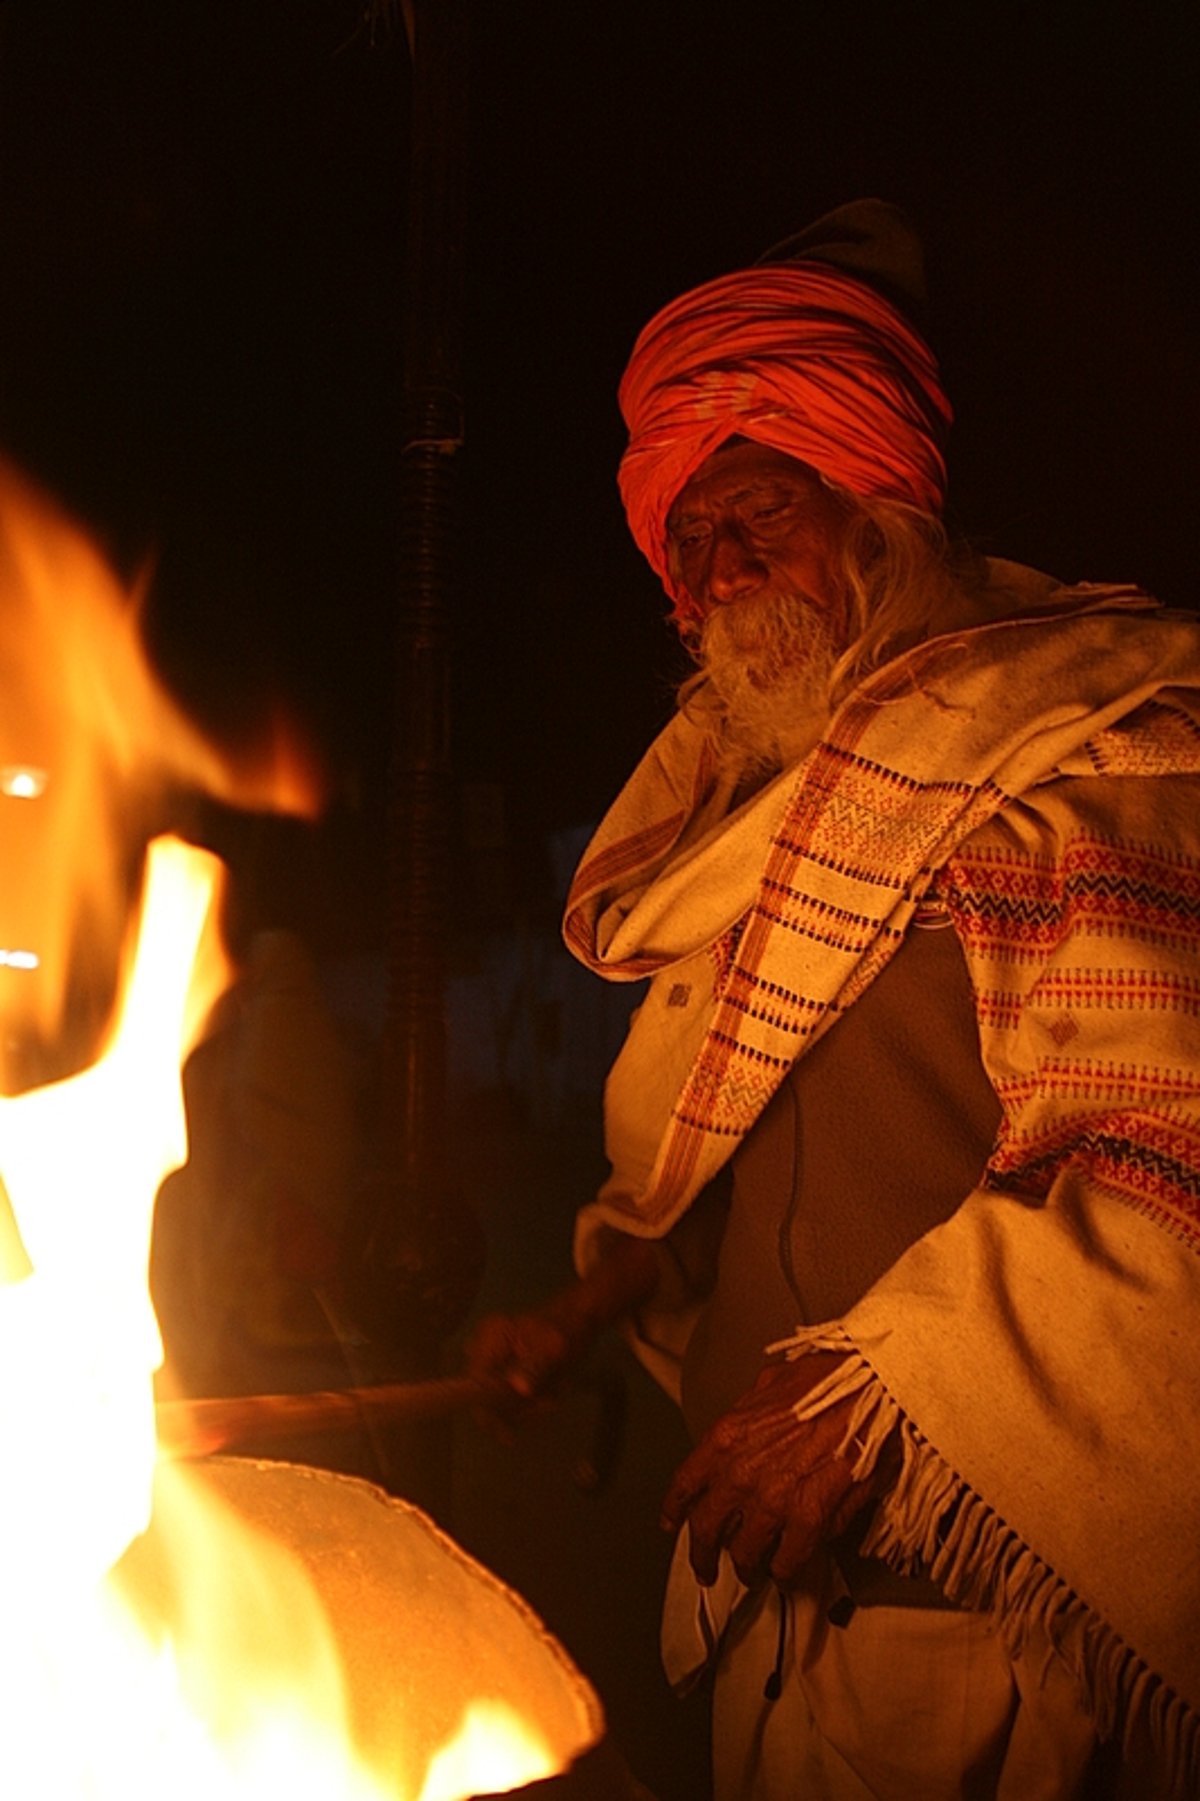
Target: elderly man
<point x="905" y="1202"/>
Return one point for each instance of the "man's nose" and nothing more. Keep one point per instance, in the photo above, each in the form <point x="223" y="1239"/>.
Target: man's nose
<point x="734" y="568"/>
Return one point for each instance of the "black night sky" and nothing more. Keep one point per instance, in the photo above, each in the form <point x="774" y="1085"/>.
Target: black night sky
<point x="202" y="218"/>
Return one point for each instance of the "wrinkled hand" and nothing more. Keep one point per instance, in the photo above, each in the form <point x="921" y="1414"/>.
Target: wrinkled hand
<point x="765" y="1486"/>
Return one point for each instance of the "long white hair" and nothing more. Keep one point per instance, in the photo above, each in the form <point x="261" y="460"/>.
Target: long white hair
<point x="772" y="668"/>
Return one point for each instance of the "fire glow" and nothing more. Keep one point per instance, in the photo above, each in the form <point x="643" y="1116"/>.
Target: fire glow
<point x="154" y="1640"/>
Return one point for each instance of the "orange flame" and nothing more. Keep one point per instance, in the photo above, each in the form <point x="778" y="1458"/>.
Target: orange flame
<point x="236" y="1687"/>
<point x="89" y="741"/>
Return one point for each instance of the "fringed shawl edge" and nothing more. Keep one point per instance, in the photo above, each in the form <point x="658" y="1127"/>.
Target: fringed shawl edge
<point x="931" y="1520"/>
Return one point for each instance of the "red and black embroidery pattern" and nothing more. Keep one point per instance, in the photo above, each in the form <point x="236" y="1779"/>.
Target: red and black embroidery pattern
<point x="1095" y="951"/>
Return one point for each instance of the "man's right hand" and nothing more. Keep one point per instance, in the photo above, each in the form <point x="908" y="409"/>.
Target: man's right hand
<point x="531" y="1352"/>
<point x="527" y="1351"/>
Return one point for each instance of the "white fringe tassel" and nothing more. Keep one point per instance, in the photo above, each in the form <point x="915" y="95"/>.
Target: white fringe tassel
<point x="932" y="1521"/>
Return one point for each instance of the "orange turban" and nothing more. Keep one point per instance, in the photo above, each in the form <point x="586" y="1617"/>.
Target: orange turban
<point x="797" y="356"/>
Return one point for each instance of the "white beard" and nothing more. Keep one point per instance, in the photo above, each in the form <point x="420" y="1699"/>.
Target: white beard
<point x="768" y="662"/>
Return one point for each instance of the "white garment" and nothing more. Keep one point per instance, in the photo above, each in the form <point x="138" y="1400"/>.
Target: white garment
<point x="1037" y="1352"/>
<point x="900" y="1704"/>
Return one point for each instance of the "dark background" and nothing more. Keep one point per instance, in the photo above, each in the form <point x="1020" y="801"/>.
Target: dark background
<point x="201" y="282"/>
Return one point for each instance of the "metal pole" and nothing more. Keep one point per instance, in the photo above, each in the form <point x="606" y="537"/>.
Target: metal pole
<point x="419" y="1254"/>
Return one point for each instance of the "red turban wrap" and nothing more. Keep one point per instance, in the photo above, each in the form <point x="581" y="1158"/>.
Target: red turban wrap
<point x="797" y="356"/>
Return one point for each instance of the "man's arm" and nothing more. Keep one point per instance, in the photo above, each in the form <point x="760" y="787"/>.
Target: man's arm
<point x="532" y="1351"/>
<point x="762" y="1484"/>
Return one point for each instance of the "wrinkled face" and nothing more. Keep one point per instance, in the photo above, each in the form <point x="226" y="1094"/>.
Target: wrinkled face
<point x="753" y="521"/>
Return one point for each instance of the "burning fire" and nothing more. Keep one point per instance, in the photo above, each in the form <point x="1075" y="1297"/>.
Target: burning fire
<point x="152" y="1639"/>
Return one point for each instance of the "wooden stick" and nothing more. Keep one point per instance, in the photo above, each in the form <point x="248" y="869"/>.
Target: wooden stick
<point x="198" y="1428"/>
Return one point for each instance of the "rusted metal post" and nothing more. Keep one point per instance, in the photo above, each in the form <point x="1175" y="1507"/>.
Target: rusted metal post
<point x="418" y="1254"/>
<point x="433" y="433"/>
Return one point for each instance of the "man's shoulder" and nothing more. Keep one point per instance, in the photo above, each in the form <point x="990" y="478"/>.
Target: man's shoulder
<point x="1012" y="590"/>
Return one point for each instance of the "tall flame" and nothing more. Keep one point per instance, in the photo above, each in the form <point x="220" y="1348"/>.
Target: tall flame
<point x="89" y="740"/>
<point x="82" y="1161"/>
<point x="150" y="1641"/>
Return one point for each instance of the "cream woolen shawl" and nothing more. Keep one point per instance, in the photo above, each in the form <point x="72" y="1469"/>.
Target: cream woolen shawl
<point x="1040" y="1350"/>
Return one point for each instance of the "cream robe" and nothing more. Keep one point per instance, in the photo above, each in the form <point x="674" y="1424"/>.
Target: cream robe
<point x="1039" y="1349"/>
